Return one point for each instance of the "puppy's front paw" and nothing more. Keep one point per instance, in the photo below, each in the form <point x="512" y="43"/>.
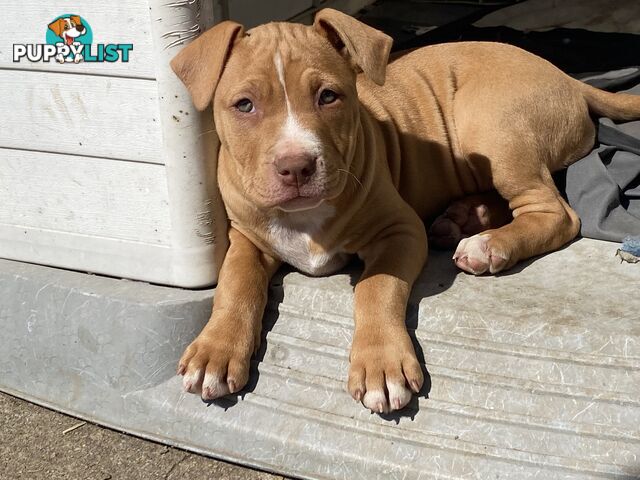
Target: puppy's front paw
<point x="383" y="373"/>
<point x="217" y="362"/>
<point x="478" y="255"/>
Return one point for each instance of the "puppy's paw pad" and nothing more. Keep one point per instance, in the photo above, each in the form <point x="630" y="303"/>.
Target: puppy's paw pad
<point x="475" y="255"/>
<point x="444" y="233"/>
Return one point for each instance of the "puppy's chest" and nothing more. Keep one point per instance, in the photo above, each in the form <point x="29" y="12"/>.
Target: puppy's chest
<point x="298" y="249"/>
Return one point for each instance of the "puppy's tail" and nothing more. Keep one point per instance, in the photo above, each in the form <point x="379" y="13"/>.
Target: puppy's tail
<point x="617" y="106"/>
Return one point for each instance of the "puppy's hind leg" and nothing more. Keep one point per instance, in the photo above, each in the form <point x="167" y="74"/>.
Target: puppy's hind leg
<point x="542" y="220"/>
<point x="516" y="140"/>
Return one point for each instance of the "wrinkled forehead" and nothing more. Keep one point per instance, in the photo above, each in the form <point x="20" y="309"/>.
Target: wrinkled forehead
<point x="297" y="47"/>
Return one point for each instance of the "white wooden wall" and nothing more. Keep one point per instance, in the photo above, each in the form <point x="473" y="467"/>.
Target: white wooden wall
<point x="83" y="159"/>
<point x="25" y="21"/>
<point x="107" y="167"/>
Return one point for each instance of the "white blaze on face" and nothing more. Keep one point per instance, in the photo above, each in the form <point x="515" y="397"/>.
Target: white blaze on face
<point x="277" y="59"/>
<point x="292" y="131"/>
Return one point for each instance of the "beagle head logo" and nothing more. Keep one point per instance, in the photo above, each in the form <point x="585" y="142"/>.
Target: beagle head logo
<point x="70" y="34"/>
<point x="68" y="28"/>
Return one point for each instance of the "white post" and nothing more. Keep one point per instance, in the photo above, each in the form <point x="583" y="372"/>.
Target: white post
<point x="190" y="145"/>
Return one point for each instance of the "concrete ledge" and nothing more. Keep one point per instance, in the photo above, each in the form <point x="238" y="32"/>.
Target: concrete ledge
<point x="533" y="374"/>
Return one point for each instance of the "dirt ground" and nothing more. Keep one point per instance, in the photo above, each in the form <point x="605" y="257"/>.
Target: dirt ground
<point x="33" y="446"/>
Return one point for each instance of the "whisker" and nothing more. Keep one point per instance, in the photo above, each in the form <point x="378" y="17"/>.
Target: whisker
<point x="352" y="175"/>
<point x="213" y="130"/>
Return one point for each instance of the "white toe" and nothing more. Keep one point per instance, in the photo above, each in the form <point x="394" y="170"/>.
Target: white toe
<point x="399" y="395"/>
<point x="472" y="254"/>
<point x="213" y="387"/>
<point x="376" y="401"/>
<point x="474" y="247"/>
<point x="192" y="381"/>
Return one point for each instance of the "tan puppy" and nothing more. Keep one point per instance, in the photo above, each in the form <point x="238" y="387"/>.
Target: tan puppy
<point x="318" y="163"/>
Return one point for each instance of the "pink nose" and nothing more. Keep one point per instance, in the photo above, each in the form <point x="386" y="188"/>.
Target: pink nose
<point x="295" y="168"/>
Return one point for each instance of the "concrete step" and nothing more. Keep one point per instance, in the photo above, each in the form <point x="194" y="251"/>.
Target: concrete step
<point x="531" y="374"/>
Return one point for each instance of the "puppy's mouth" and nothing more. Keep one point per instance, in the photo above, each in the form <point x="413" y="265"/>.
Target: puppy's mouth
<point x="69" y="37"/>
<point x="294" y="198"/>
<point x="299" y="203"/>
<point x="302" y="197"/>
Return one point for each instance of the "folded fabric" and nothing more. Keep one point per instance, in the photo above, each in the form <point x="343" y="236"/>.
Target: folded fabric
<point x="604" y="187"/>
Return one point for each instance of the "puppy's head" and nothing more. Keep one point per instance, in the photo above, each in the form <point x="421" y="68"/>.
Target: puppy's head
<point x="68" y="28"/>
<point x="285" y="102"/>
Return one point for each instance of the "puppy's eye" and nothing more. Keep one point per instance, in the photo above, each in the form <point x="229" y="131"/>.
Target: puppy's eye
<point x="66" y="27"/>
<point x="245" y="106"/>
<point x="327" y="96"/>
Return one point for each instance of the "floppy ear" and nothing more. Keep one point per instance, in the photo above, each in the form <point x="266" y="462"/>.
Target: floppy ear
<point x="57" y="26"/>
<point x="367" y="47"/>
<point x="200" y="64"/>
<point x="76" y="19"/>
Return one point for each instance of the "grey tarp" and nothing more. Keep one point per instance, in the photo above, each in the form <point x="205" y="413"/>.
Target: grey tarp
<point x="604" y="187"/>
